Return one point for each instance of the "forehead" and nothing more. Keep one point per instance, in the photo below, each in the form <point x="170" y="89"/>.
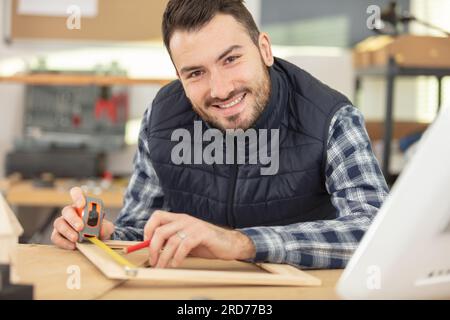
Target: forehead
<point x="206" y="44"/>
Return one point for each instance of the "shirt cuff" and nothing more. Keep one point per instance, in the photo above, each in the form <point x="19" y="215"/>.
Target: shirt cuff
<point x="268" y="243"/>
<point x="127" y="234"/>
<point x="118" y="234"/>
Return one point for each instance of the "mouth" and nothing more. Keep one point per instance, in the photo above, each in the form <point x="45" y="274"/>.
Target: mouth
<point x="230" y="108"/>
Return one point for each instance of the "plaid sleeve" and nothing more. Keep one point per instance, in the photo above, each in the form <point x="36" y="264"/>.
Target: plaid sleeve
<point x="143" y="195"/>
<point x="357" y="187"/>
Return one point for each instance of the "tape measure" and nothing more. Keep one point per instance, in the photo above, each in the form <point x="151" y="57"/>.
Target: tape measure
<point x="117" y="257"/>
<point x="92" y="216"/>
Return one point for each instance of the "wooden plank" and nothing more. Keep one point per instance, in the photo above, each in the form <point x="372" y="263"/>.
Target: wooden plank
<point x="375" y="129"/>
<point x="137" y="290"/>
<point x="23" y="193"/>
<point x="112" y="270"/>
<point x="80" y="80"/>
<point x="221" y="278"/>
<point x="46" y="267"/>
<point x="288" y="270"/>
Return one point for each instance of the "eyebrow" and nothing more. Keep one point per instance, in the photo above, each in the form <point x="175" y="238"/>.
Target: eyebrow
<point x="224" y="54"/>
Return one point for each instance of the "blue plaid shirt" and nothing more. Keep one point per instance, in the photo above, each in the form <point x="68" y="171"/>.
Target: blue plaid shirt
<point x="353" y="179"/>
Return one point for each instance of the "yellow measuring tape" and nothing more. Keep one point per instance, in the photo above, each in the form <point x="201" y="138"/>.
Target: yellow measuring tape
<point x="117" y="257"/>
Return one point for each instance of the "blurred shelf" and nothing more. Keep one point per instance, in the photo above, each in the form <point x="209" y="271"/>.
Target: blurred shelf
<point x="24" y="193"/>
<point x="81" y="80"/>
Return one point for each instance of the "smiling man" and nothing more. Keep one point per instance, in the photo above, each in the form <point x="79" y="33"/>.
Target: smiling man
<point x="311" y="213"/>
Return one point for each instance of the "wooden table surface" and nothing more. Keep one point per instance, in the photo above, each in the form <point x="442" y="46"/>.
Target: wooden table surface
<point x="49" y="270"/>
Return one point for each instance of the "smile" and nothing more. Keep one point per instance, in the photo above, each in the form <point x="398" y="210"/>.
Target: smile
<point x="232" y="103"/>
<point x="231" y="108"/>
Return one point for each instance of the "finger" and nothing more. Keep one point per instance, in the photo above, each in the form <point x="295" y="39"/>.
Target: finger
<point x="185" y="247"/>
<point x="157" y="219"/>
<point x="169" y="250"/>
<point x="160" y="236"/>
<point x="77" y="196"/>
<point x="62" y="242"/>
<point x="70" y="215"/>
<point x="65" y="229"/>
<point x="107" y="230"/>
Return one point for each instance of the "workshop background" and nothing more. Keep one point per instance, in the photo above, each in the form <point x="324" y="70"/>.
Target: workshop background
<point x="73" y="95"/>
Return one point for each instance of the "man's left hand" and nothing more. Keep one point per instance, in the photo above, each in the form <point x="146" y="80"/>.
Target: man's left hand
<point x="180" y="235"/>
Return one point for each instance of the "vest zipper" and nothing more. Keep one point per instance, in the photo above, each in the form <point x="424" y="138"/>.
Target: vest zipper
<point x="232" y="189"/>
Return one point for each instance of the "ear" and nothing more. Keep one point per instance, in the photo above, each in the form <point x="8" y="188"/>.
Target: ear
<point x="265" y="47"/>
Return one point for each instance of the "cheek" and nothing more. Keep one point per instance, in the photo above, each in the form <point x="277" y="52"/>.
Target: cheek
<point x="250" y="75"/>
<point x="243" y="74"/>
<point x="196" y="92"/>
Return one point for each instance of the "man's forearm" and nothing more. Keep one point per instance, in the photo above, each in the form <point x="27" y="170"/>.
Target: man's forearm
<point x="320" y="244"/>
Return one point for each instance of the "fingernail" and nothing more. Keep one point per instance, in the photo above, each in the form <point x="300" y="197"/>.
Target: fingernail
<point x="79" y="203"/>
<point x="77" y="226"/>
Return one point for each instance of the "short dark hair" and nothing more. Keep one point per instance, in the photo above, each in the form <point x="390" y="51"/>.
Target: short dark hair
<point x="191" y="15"/>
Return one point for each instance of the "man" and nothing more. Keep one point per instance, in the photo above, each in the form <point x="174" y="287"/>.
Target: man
<point x="311" y="213"/>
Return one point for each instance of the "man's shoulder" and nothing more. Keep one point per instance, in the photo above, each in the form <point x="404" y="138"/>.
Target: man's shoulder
<point x="170" y="108"/>
<point x="307" y="87"/>
<point x="172" y="90"/>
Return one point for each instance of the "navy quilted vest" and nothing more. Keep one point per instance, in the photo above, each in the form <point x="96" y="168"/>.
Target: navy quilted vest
<point x="238" y="196"/>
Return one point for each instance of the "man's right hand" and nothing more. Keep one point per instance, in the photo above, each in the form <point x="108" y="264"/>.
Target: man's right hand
<point x="66" y="227"/>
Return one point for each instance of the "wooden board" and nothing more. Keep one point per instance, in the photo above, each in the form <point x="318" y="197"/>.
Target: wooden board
<point x="276" y="275"/>
<point x="23" y="193"/>
<point x="117" y="20"/>
<point x="407" y="50"/>
<point x="401" y="129"/>
<point x="80" y="80"/>
<point x="45" y="267"/>
<point x="137" y="290"/>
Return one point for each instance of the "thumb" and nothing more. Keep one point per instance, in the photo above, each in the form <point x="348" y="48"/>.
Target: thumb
<point x="78" y="197"/>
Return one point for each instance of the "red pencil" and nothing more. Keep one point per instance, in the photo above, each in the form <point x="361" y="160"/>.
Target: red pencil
<point x="136" y="247"/>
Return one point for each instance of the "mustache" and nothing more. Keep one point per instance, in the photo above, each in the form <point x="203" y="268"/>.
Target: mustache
<point x="211" y="101"/>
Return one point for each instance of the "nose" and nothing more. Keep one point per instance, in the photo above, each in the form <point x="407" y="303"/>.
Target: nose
<point x="221" y="87"/>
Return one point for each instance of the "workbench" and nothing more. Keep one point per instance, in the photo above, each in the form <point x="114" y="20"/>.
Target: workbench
<point x="49" y="269"/>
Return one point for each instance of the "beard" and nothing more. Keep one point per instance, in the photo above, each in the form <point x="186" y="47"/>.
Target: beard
<point x="260" y="90"/>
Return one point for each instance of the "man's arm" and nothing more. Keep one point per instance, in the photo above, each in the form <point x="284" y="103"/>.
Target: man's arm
<point x="144" y="194"/>
<point x="357" y="187"/>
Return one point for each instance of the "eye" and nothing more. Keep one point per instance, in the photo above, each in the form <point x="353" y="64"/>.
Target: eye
<point x="231" y="59"/>
<point x="195" y="74"/>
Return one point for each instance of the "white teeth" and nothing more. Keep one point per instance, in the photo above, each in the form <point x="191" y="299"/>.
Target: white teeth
<point x="232" y="103"/>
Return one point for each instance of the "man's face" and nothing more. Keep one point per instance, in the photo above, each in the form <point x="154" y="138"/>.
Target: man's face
<point x="223" y="72"/>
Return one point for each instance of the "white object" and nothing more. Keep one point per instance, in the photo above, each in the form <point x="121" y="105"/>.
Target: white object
<point x="57" y="8"/>
<point x="405" y="254"/>
<point x="10" y="230"/>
